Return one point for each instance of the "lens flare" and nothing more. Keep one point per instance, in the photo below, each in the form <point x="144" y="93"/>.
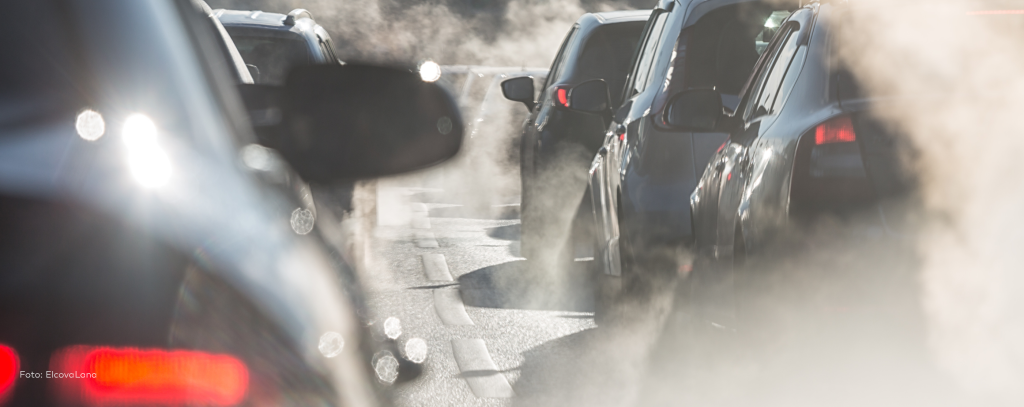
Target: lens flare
<point x="331" y="344"/>
<point x="430" y="71"/>
<point x="416" y="350"/>
<point x="147" y="161"/>
<point x="90" y="125"/>
<point x="386" y="366"/>
<point x="302" y="221"/>
<point x="392" y="327"/>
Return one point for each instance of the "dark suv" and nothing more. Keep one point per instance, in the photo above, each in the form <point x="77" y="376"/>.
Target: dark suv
<point x="557" y="143"/>
<point x="274" y="42"/>
<point x="642" y="177"/>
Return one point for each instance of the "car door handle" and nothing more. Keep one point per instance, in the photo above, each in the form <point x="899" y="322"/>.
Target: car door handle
<point x="603" y="151"/>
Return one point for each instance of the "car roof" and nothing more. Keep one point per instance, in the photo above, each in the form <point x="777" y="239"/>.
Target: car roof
<point x="262" y="19"/>
<point x="622" y="16"/>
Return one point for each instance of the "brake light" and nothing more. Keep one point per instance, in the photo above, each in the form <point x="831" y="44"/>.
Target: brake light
<point x="100" y="376"/>
<point x="563" y="96"/>
<point x="837" y="130"/>
<point x="9" y="366"/>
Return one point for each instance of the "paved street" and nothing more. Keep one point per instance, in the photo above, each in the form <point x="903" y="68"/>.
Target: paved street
<point x="496" y="336"/>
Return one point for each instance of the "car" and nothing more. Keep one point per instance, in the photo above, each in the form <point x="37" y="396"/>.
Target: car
<point x="273" y="43"/>
<point x="557" y="143"/>
<point x="280" y="174"/>
<point x="642" y="175"/>
<point x="238" y="68"/>
<point x="802" y="145"/>
<point x="138" y="236"/>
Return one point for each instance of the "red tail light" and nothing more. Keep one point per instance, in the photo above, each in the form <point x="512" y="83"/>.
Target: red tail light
<point x="563" y="96"/>
<point x="8" y="371"/>
<point x="837" y="130"/>
<point x="101" y="376"/>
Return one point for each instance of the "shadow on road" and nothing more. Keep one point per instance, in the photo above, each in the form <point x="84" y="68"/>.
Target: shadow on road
<point x="510" y="232"/>
<point x="515" y="285"/>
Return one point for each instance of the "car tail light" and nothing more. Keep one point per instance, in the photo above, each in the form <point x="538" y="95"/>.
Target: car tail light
<point x="8" y="371"/>
<point x="837" y="130"/>
<point x="562" y="95"/>
<point x="100" y="376"/>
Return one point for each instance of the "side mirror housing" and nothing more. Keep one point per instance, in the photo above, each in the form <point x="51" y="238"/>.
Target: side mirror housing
<point x="696" y="110"/>
<point x="338" y="122"/>
<point x="519" y="89"/>
<point x="591" y="97"/>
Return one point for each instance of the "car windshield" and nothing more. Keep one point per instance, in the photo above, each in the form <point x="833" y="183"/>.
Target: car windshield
<point x="273" y="55"/>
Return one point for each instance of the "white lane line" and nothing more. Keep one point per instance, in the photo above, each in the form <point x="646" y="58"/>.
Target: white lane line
<point x="426" y="240"/>
<point x="449" y="307"/>
<point x="479" y="370"/>
<point x="436" y="267"/>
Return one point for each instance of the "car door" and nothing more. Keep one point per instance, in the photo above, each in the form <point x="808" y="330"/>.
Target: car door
<point x="605" y="170"/>
<point x="748" y="149"/>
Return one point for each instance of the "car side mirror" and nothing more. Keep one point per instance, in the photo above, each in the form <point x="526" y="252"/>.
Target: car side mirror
<point x="696" y="110"/>
<point x="337" y="122"/>
<point x="591" y="97"/>
<point x="519" y="89"/>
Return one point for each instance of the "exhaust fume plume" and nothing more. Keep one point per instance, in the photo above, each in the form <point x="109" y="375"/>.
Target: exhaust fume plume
<point x="961" y="63"/>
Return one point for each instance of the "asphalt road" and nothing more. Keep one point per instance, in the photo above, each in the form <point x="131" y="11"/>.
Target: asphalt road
<point x="498" y="331"/>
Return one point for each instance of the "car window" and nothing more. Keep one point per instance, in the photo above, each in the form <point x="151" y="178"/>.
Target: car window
<point x="643" y="66"/>
<point x="273" y="55"/>
<point x="723" y="47"/>
<point x="604" y="56"/>
<point x="773" y="82"/>
<point x="560" y="59"/>
<point x="754" y="91"/>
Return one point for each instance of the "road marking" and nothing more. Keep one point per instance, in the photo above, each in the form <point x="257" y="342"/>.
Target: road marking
<point x="449" y="307"/>
<point x="479" y="370"/>
<point x="426" y="240"/>
<point x="436" y="267"/>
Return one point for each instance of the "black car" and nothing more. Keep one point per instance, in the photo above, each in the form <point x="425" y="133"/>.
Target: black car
<point x="802" y="145"/>
<point x="641" y="177"/>
<point x="137" y="234"/>
<point x="273" y="43"/>
<point x="557" y="143"/>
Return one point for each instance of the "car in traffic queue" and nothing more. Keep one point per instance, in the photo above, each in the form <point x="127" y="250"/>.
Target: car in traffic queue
<point x="273" y="43"/>
<point x="139" y="237"/>
<point x="802" y="144"/>
<point x="557" y="143"/>
<point x="642" y="175"/>
<point x="302" y="208"/>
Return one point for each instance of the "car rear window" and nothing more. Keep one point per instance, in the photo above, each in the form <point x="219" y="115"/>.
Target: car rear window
<point x="273" y="55"/>
<point x="606" y="55"/>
